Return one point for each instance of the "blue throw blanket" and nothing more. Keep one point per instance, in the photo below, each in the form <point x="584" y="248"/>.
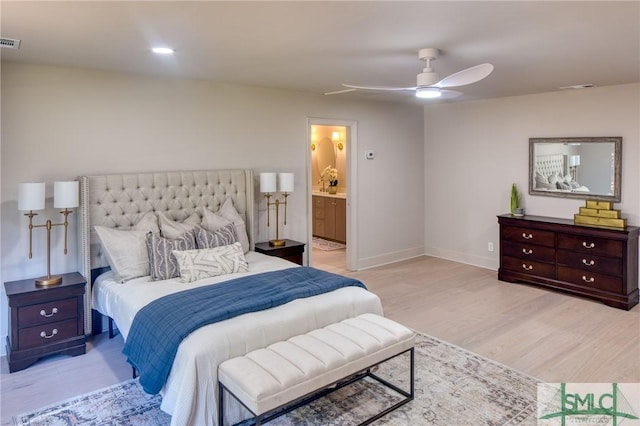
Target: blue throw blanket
<point x="159" y="328"/>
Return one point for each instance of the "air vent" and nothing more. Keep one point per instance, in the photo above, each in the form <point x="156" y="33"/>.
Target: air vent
<point x="9" y="43"/>
<point x="578" y="86"/>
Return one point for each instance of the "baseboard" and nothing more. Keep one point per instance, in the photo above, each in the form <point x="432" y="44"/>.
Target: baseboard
<point x="387" y="258"/>
<point x="469" y="259"/>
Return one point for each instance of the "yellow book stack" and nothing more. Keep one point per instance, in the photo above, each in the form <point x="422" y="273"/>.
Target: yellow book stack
<point x="599" y="213"/>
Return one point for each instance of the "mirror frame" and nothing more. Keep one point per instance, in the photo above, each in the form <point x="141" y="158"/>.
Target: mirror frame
<point x="617" y="175"/>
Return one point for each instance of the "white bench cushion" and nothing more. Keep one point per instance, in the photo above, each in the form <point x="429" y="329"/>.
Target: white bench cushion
<point x="285" y="371"/>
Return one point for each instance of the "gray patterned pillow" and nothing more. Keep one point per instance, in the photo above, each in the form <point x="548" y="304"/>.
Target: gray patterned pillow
<point x="198" y="264"/>
<point x="221" y="237"/>
<point x="162" y="264"/>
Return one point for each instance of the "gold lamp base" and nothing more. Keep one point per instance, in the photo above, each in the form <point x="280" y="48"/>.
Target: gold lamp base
<point x="48" y="281"/>
<point x="277" y="243"/>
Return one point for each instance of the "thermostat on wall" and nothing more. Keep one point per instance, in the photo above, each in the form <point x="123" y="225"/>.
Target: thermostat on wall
<point x="369" y="155"/>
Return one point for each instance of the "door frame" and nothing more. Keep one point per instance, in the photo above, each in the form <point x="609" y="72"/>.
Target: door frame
<point x="351" y="147"/>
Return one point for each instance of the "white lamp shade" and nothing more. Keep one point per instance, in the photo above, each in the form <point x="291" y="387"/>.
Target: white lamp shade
<point x="31" y="196"/>
<point x="574" y="160"/>
<point x="267" y="182"/>
<point x="65" y="195"/>
<point x="286" y="182"/>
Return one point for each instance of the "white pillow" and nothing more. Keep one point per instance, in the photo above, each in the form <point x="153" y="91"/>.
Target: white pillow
<point x="148" y="222"/>
<point x="126" y="252"/>
<point x="212" y="221"/>
<point x="229" y="212"/>
<point x="198" y="264"/>
<point x="173" y="229"/>
<point x="123" y="248"/>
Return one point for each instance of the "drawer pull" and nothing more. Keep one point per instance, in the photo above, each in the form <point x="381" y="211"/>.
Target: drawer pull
<point x="588" y="280"/>
<point x="46" y="315"/>
<point x="49" y="336"/>
<point x="527" y="251"/>
<point x="527" y="267"/>
<point x="589" y="246"/>
<point x="527" y="236"/>
<point x="589" y="263"/>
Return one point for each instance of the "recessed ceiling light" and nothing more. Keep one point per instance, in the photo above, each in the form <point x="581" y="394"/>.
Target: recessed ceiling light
<point x="163" y="50"/>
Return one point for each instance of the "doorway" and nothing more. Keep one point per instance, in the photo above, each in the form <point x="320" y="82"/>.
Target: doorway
<point x="332" y="236"/>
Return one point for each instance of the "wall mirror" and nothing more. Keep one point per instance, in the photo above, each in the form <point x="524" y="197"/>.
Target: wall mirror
<point x="587" y="168"/>
<point x="326" y="155"/>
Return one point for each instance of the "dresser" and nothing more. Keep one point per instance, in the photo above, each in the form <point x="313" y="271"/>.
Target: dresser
<point x="599" y="263"/>
<point x="45" y="320"/>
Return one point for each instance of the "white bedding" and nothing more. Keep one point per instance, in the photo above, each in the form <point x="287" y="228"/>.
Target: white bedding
<point x="190" y="394"/>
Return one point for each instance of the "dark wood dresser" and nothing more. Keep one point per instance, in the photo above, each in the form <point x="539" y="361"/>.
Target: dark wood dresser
<point x="600" y="263"/>
<point x="45" y="320"/>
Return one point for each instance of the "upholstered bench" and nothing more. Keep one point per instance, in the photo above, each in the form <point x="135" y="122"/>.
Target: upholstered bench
<point x="272" y="381"/>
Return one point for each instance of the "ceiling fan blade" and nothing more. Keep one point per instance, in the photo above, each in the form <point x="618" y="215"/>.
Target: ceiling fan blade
<point x="351" y="86"/>
<point x="340" y="91"/>
<point x="464" y="77"/>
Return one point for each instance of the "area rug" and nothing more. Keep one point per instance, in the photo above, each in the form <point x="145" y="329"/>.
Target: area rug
<point x="452" y="387"/>
<point x="326" y="245"/>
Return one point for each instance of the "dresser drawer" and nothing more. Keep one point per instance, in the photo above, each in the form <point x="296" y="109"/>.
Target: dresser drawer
<point x="528" y="251"/>
<point x="585" y="244"/>
<point x="514" y="233"/>
<point x="540" y="269"/>
<point x="590" y="279"/>
<point x="45" y="334"/>
<point x="590" y="262"/>
<point x="43" y="313"/>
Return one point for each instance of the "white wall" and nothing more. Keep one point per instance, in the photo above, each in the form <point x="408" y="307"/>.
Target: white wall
<point x="59" y="123"/>
<point x="474" y="151"/>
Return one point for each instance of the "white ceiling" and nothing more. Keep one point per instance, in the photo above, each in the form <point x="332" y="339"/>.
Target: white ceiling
<point x="315" y="46"/>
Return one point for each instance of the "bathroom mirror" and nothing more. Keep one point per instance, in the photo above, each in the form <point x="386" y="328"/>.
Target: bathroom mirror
<point x="326" y="155"/>
<point x="587" y="168"/>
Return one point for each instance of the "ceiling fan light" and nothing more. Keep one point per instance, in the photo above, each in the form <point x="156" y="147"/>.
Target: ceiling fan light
<point x="428" y="92"/>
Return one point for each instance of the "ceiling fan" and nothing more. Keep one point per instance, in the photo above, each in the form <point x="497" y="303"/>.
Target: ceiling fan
<point x="429" y="84"/>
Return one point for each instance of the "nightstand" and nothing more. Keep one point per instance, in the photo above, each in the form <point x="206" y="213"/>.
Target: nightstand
<point x="45" y="320"/>
<point x="291" y="250"/>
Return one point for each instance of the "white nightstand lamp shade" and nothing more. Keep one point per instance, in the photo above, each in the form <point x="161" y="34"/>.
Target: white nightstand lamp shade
<point x="286" y="182"/>
<point x="31" y="196"/>
<point x="267" y="182"/>
<point x="66" y="194"/>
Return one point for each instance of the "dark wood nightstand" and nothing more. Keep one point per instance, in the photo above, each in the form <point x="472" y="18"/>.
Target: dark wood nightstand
<point x="45" y="320"/>
<point x="291" y="250"/>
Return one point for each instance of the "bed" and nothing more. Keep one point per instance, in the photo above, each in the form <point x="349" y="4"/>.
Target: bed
<point x="120" y="202"/>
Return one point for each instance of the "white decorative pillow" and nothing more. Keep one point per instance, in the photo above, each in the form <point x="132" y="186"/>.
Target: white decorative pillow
<point x="126" y="252"/>
<point x="198" y="264"/>
<point x="229" y="212"/>
<point x="212" y="221"/>
<point x="173" y="229"/>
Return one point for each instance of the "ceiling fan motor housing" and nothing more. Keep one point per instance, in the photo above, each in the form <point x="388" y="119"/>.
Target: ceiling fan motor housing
<point x="426" y="79"/>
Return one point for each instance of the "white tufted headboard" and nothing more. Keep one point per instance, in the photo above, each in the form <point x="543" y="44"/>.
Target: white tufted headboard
<point x="547" y="165"/>
<point x="118" y="201"/>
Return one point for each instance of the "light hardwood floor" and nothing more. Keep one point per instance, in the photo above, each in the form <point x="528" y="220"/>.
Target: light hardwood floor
<point x="549" y="335"/>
